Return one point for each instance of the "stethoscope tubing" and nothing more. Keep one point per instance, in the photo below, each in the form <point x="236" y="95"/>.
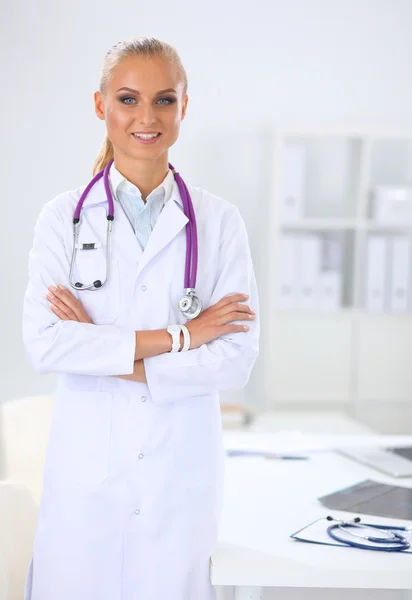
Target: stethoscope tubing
<point x="398" y="541"/>
<point x="191" y="233"/>
<point x="191" y="263"/>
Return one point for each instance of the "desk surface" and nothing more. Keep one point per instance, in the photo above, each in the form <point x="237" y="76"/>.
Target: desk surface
<point x="267" y="500"/>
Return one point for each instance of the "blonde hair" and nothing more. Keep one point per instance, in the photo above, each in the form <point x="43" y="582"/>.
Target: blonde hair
<point x="135" y="46"/>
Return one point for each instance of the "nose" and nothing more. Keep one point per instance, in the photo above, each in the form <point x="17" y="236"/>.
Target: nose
<point x="147" y="116"/>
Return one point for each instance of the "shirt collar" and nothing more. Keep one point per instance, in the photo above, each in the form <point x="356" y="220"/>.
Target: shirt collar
<point x="119" y="183"/>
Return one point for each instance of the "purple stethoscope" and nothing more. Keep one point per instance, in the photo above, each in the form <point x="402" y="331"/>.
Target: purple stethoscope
<point x="190" y="305"/>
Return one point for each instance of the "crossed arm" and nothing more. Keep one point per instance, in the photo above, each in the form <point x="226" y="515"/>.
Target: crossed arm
<point x="63" y="340"/>
<point x="68" y="308"/>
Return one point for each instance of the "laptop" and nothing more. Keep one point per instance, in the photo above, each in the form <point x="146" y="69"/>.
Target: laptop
<point x="396" y="462"/>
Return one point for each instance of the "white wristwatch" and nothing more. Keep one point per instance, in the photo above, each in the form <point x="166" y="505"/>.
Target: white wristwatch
<point x="174" y="331"/>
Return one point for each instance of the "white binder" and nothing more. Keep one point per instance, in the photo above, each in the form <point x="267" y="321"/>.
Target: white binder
<point x="308" y="270"/>
<point x="292" y="184"/>
<point x="399" y="274"/>
<point x="329" y="284"/>
<point x="376" y="256"/>
<point x="392" y="204"/>
<point x="329" y="290"/>
<point x="287" y="292"/>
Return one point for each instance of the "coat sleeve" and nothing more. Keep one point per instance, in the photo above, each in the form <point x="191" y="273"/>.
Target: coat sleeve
<point x="56" y="346"/>
<point x="225" y="363"/>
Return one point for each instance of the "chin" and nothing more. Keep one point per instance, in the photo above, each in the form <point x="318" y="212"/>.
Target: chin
<point x="150" y="153"/>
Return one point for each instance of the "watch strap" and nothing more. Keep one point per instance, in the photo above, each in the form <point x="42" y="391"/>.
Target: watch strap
<point x="186" y="337"/>
<point x="174" y="331"/>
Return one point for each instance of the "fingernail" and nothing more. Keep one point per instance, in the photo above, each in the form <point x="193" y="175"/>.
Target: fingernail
<point x="52" y="288"/>
<point x="61" y="287"/>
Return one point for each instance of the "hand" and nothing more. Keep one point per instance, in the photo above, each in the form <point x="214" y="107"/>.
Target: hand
<point x="213" y="322"/>
<point x="66" y="306"/>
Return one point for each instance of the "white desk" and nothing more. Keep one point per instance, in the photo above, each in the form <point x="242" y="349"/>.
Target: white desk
<point x="266" y="501"/>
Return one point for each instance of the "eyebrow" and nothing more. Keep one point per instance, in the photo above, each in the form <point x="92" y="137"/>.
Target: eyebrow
<point x="138" y="93"/>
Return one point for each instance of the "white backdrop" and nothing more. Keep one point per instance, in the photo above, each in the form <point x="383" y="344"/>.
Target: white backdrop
<point x="251" y="67"/>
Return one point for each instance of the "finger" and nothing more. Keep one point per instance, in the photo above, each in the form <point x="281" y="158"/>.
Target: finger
<point x="233" y="329"/>
<point x="231" y="298"/>
<point x="72" y="304"/>
<point x="63" y="308"/>
<point x="65" y="295"/>
<point x="57" y="311"/>
<point x="66" y="298"/>
<point x="234" y="316"/>
<point x="236" y="307"/>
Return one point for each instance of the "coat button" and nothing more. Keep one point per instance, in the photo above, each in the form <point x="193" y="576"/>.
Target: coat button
<point x="141" y="456"/>
<point x="144" y="288"/>
<point x="137" y="511"/>
<point x="143" y="398"/>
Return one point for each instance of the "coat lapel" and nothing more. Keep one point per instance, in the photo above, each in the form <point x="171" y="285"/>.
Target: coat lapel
<point x="170" y="222"/>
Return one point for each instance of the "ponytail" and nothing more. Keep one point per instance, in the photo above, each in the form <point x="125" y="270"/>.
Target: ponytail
<point x="105" y="155"/>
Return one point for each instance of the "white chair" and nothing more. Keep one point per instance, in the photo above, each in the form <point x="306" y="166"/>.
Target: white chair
<point x="25" y="425"/>
<point x="18" y="516"/>
<point x="25" y="431"/>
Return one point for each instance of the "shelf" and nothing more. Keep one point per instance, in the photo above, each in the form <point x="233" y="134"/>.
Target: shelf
<point x="314" y="224"/>
<point x="373" y="226"/>
<point x="341" y="313"/>
<point x="338" y="224"/>
<point x="361" y="132"/>
<point x="297" y="313"/>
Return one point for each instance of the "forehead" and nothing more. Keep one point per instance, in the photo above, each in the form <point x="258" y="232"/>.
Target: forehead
<point x="145" y="74"/>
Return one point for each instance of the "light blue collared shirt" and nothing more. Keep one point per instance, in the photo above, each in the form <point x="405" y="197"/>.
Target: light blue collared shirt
<point x="142" y="215"/>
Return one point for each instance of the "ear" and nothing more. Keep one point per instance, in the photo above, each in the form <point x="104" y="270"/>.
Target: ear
<point x="99" y="105"/>
<point x="184" y="106"/>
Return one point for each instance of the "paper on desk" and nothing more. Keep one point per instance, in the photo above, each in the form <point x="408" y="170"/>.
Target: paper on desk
<point x="294" y="441"/>
<point x="316" y="533"/>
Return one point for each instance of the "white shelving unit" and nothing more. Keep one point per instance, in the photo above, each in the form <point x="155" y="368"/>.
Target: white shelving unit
<point x="349" y="358"/>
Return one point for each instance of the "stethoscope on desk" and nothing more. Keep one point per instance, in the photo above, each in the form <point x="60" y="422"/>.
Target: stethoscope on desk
<point x="396" y="541"/>
<point x="190" y="305"/>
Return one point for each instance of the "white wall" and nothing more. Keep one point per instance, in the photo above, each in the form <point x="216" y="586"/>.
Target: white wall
<point x="251" y="66"/>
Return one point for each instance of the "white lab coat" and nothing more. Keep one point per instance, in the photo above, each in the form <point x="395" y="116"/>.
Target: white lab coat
<point x="133" y="478"/>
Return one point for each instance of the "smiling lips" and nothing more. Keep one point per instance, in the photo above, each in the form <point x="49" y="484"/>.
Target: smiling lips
<point x="147" y="137"/>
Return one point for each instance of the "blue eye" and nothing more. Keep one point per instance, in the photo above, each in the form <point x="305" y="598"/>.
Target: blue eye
<point x="161" y="101"/>
<point x="126" y="98"/>
<point x="168" y="100"/>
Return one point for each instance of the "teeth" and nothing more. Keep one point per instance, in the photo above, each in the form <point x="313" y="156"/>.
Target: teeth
<point x="146" y="136"/>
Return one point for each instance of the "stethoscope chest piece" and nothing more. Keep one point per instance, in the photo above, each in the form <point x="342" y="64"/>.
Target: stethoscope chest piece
<point x="190" y="305"/>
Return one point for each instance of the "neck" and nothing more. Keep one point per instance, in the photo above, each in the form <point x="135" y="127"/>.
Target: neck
<point x="145" y="175"/>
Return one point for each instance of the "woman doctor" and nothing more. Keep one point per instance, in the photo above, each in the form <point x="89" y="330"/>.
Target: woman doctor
<point x="133" y="477"/>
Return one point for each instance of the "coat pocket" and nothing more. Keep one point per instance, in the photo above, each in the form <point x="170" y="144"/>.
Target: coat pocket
<point x="103" y="304"/>
<point x="198" y="445"/>
<point x="80" y="437"/>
